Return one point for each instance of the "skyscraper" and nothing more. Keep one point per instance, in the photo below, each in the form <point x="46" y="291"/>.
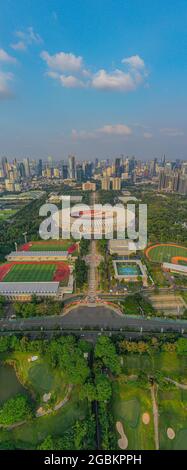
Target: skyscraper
<point x="27" y="167"/>
<point x="4" y="166"/>
<point x="71" y="166"/>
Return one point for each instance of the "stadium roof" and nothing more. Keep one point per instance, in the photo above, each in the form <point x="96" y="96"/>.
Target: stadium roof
<point x="30" y="254"/>
<point x="29" y="287"/>
<point x="175" y="267"/>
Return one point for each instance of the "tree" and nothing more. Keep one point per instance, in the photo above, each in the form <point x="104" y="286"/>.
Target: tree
<point x="106" y="351"/>
<point x="103" y="388"/>
<point x="15" y="410"/>
<point x="81" y="271"/>
<point x="47" y="444"/>
<point x="182" y="346"/>
<point x="88" y="391"/>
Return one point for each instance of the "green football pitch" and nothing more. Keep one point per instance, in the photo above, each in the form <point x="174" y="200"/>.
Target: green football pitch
<point x="59" y="246"/>
<point x="30" y="273"/>
<point x="165" y="253"/>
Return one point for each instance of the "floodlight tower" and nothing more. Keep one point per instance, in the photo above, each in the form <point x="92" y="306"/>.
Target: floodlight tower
<point x="25" y="236"/>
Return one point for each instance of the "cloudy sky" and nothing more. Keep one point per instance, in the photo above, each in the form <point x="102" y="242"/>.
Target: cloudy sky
<point x="97" y="78"/>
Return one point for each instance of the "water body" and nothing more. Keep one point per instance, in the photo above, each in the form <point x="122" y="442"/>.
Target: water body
<point x="9" y="383"/>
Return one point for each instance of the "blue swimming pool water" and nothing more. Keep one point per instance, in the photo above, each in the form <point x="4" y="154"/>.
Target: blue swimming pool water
<point x="127" y="270"/>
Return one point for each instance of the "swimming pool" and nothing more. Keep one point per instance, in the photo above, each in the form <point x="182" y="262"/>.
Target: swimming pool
<point x="124" y="269"/>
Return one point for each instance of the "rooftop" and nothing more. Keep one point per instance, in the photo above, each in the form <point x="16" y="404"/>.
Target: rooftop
<point x="29" y="287"/>
<point x="175" y="267"/>
<point x="30" y="254"/>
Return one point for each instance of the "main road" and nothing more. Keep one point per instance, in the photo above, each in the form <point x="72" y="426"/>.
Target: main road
<point x="94" y="318"/>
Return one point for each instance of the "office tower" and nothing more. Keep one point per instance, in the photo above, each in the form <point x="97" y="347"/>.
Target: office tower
<point x="71" y="166"/>
<point x="9" y="185"/>
<point x="22" y="170"/>
<point x="118" y="167"/>
<point x="132" y="164"/>
<point x="182" y="188"/>
<point x="79" y="172"/>
<point x="39" y="168"/>
<point x="50" y="162"/>
<point x="64" y="171"/>
<point x="27" y="167"/>
<point x="56" y="172"/>
<point x="88" y="170"/>
<point x="4" y="166"/>
<point x="105" y="184"/>
<point x="116" y="184"/>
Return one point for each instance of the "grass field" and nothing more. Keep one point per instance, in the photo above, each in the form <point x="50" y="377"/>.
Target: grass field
<point x="49" y="246"/>
<point x="6" y="213"/>
<point x="129" y="403"/>
<point x="172" y="403"/>
<point x="35" y="431"/>
<point x="39" y="377"/>
<point x="30" y="273"/>
<point x="173" y="413"/>
<point x="165" y="253"/>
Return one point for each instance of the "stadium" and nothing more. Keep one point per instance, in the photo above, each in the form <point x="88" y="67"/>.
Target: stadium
<point x="41" y="273"/>
<point x="97" y="222"/>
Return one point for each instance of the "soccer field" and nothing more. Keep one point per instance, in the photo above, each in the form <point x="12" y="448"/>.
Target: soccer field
<point x="164" y="253"/>
<point x="30" y="273"/>
<point x="50" y="246"/>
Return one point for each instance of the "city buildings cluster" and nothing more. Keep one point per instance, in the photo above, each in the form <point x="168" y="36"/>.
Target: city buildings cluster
<point x="16" y="176"/>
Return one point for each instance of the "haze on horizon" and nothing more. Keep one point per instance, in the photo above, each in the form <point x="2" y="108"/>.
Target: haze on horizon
<point x="96" y="79"/>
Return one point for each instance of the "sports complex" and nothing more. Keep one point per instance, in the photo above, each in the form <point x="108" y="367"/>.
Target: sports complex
<point x="167" y="253"/>
<point x="38" y="264"/>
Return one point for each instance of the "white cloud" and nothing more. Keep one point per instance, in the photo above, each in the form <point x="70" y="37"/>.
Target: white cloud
<point x="6" y="58"/>
<point x="19" y="46"/>
<point x="115" y="129"/>
<point x="69" y="69"/>
<point x="26" y="38"/>
<point x="67" y="81"/>
<point x="63" y="62"/>
<point x="5" y="78"/>
<point x="135" y="61"/>
<point x="171" y="132"/>
<point x="120" y="130"/>
<point x="71" y="82"/>
<point x="117" y="81"/>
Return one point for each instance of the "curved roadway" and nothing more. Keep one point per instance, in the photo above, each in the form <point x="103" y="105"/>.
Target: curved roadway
<point x="93" y="318"/>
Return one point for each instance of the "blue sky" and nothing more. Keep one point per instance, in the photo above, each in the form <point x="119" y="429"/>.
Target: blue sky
<point x="97" y="78"/>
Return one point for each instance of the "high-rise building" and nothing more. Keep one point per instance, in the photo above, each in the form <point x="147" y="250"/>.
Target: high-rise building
<point x="72" y="167"/>
<point x="105" y="184"/>
<point x="4" y="166"/>
<point x="118" y="167"/>
<point x="22" y="170"/>
<point x="27" y="167"/>
<point x="116" y="184"/>
<point x="79" y="172"/>
<point x="64" y="171"/>
<point x="39" y="168"/>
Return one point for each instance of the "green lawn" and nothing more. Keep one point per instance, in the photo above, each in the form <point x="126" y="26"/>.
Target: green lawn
<point x="30" y="273"/>
<point x="129" y="403"/>
<point x="6" y="213"/>
<point x="161" y="254"/>
<point x="50" y="246"/>
<point x="173" y="414"/>
<point x="35" y="431"/>
<point x="39" y="377"/>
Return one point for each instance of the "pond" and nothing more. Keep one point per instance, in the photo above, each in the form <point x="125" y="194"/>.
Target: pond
<point x="9" y="383"/>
